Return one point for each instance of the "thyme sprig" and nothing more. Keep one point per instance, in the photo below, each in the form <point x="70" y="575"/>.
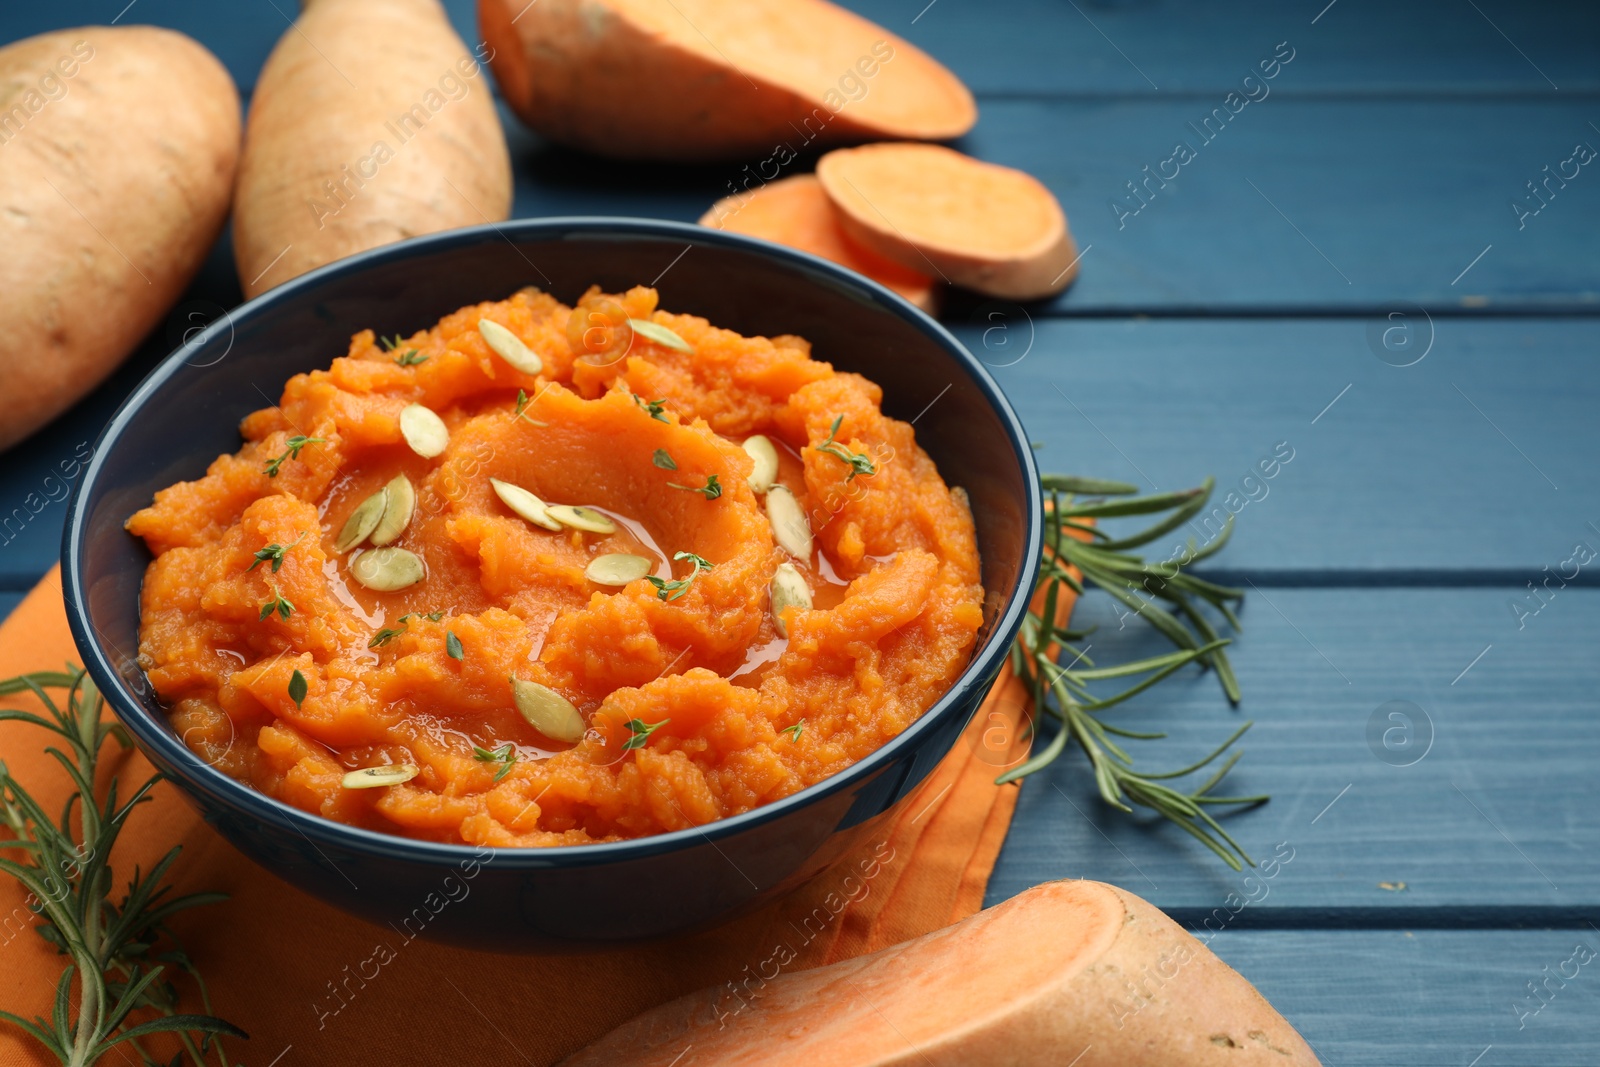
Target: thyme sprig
<point x="858" y="462"/>
<point x="673" y="590"/>
<point x="274" y="554"/>
<point x="1063" y="693"/>
<point x="292" y="447"/>
<point x="712" y="489"/>
<point x="120" y="952"/>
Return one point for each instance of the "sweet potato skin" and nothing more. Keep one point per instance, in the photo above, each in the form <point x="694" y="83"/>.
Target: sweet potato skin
<point x="603" y="75"/>
<point x="371" y="123"/>
<point x="114" y="183"/>
<point x="1065" y="970"/>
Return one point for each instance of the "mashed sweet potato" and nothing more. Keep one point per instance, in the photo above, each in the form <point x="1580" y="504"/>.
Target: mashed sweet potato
<point x="691" y="701"/>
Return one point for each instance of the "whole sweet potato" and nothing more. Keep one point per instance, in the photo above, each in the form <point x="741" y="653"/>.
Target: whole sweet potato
<point x="117" y="153"/>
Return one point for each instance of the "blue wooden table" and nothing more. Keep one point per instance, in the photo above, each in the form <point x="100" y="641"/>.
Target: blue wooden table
<point x="1352" y="267"/>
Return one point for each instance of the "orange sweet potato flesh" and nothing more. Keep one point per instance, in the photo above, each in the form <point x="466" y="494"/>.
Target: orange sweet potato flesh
<point x="370" y="123"/>
<point x="796" y="212"/>
<point x="895" y="578"/>
<point x="1077" y="973"/>
<point x="715" y="79"/>
<point x="986" y="227"/>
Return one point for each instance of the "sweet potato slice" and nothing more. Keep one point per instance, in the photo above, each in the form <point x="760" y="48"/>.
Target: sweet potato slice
<point x="370" y="123"/>
<point x="708" y="79"/>
<point x="796" y="212"/>
<point x="989" y="228"/>
<point x="1068" y="972"/>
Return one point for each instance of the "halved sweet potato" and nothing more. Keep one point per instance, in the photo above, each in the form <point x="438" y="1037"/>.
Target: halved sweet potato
<point x="707" y="79"/>
<point x="796" y="212"/>
<point x="979" y="225"/>
<point x="1076" y="973"/>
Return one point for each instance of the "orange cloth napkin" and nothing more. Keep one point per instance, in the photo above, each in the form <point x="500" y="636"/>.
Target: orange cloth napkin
<point x="298" y="975"/>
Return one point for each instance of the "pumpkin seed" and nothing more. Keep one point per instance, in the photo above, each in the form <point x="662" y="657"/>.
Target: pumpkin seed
<point x="760" y="449"/>
<point x="509" y="347"/>
<point x="789" y="523"/>
<point x="423" y="430"/>
<point x="654" y="331"/>
<point x="580" y="518"/>
<point x="617" y="568"/>
<point x="524" y="503"/>
<point x="362" y="521"/>
<point x="399" y="504"/>
<point x="547" y="711"/>
<point x="788" y="590"/>
<point x="374" y="777"/>
<point x="387" y="569"/>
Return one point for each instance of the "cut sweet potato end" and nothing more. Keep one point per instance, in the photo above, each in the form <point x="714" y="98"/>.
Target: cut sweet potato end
<point x="852" y="67"/>
<point x="881" y="1008"/>
<point x="942" y="200"/>
<point x="794" y="211"/>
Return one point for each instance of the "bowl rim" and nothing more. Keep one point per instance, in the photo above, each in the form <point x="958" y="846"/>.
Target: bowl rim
<point x="242" y="799"/>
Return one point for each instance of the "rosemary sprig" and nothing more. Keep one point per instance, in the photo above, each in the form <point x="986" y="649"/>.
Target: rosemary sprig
<point x="119" y="952"/>
<point x="1063" y="693"/>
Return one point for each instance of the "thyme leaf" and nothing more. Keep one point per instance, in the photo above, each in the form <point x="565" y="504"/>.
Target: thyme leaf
<point x="794" y="731"/>
<point x="664" y="460"/>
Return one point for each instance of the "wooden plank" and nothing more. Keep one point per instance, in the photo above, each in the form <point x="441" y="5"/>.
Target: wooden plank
<point x="1139" y="48"/>
<point x="1429" y="998"/>
<point x="1414" y="474"/>
<point x="1485" y="819"/>
<point x="1295" y="205"/>
<point x="1043" y="47"/>
<point x="1300" y="203"/>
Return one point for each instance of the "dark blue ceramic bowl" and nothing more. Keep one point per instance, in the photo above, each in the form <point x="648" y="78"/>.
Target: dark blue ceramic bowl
<point x="561" y="899"/>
